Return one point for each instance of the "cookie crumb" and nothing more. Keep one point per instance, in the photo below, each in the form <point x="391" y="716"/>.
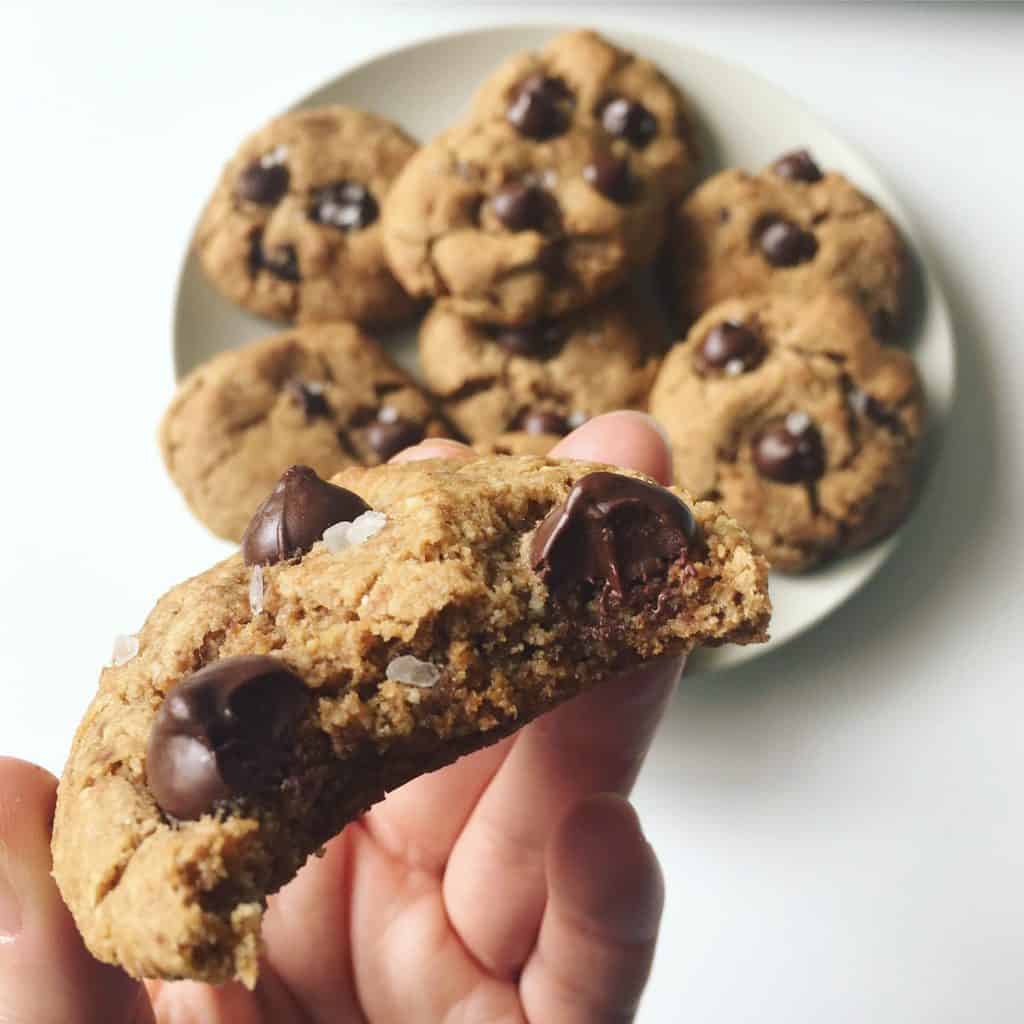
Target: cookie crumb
<point x="125" y="648"/>
<point x="341" y="536"/>
<point x="413" y="672"/>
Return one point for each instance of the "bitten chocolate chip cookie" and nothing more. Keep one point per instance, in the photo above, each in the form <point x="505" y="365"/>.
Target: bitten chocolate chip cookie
<point x="791" y="228"/>
<point x="797" y="420"/>
<point x="325" y="395"/>
<point x="544" y="378"/>
<point x="292" y="231"/>
<point x="513" y="229"/>
<point x="581" y="79"/>
<point x="371" y="630"/>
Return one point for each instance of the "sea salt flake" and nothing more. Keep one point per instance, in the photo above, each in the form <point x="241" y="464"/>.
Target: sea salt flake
<point x="413" y="672"/>
<point x="256" y="590"/>
<point x="734" y="367"/>
<point x="797" y="422"/>
<point x="388" y="414"/>
<point x="277" y="155"/>
<point x="125" y="648"/>
<point x="341" y="536"/>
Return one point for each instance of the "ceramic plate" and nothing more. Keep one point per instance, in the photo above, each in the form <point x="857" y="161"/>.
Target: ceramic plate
<point x="748" y="122"/>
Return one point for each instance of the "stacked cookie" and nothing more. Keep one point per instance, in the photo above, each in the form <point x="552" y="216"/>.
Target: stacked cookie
<point x="529" y="225"/>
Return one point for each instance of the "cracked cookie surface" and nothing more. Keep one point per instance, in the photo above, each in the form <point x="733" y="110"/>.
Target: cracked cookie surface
<point x="325" y="395"/>
<point x="254" y="722"/>
<point x="620" y="95"/>
<point x="292" y="230"/>
<point x="791" y="228"/>
<point x="544" y="378"/>
<point x="512" y="229"/>
<point x="797" y="420"/>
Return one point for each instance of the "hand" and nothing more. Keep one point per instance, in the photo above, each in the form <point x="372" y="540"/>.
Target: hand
<point x="512" y="886"/>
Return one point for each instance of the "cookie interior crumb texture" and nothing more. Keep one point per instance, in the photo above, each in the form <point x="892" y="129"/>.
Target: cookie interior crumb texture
<point x="478" y="602"/>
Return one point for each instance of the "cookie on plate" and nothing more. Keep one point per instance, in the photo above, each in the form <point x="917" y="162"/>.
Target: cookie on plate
<point x="511" y="229"/>
<point x="544" y="378"/>
<point x="323" y="395"/>
<point x="292" y="231"/>
<point x="371" y="630"/>
<point x="791" y="228"/>
<point x="580" y="78"/>
<point x="793" y="416"/>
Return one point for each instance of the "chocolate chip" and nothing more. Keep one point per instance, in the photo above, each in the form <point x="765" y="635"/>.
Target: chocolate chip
<point x="783" y="243"/>
<point x="871" y="408"/>
<point x="390" y="433"/>
<point x="614" y="529"/>
<point x="294" y="516"/>
<point x="541" y="421"/>
<point x="789" y="450"/>
<point x="262" y="183"/>
<point x="310" y="396"/>
<point x="282" y="261"/>
<point x="346" y="205"/>
<point x="225" y="731"/>
<point x="797" y="166"/>
<point x="540" y="107"/>
<point x="520" y="207"/>
<point x="731" y="346"/>
<point x="533" y="340"/>
<point x="609" y="175"/>
<point x="630" y="120"/>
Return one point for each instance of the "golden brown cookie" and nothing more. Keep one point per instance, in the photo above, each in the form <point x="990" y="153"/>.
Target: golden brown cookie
<point x="292" y="231"/>
<point x="324" y="395"/>
<point x="791" y="415"/>
<point x="790" y="228"/>
<point x="370" y="631"/>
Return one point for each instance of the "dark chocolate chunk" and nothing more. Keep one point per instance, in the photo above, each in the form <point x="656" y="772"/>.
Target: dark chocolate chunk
<point x="390" y="433"/>
<point x="610" y="175"/>
<point x="534" y="340"/>
<point x="262" y="183"/>
<point x="520" y="207"/>
<point x="789" y="450"/>
<point x="783" y="243"/>
<point x="346" y="205"/>
<point x="630" y="120"/>
<point x="310" y="395"/>
<point x="540" y="107"/>
<point x="731" y="346"/>
<point x="797" y="166"/>
<point x="615" y="530"/>
<point x="225" y="731"/>
<point x="294" y="516"/>
<point x="541" y="421"/>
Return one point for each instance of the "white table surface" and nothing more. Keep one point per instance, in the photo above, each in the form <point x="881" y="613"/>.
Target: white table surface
<point x="841" y="823"/>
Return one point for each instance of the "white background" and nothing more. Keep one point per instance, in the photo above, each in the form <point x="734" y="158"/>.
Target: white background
<point x="842" y="822"/>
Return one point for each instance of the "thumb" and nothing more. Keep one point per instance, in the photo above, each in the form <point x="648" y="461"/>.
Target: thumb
<point x="46" y="975"/>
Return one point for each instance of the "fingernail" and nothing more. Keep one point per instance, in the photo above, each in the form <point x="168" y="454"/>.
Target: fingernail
<point x="10" y="908"/>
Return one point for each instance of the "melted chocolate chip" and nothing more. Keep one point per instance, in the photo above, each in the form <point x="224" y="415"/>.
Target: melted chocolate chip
<point x="783" y="243"/>
<point x="540" y="107"/>
<point x="282" y="261"/>
<point x="225" y="731"/>
<point x="390" y="433"/>
<point x="535" y="340"/>
<point x="346" y="205"/>
<point x="797" y="166"/>
<point x="310" y="396"/>
<point x="630" y="120"/>
<point x="294" y="516"/>
<point x="789" y="450"/>
<point x="262" y="184"/>
<point x="731" y="346"/>
<point x="614" y="530"/>
<point x="520" y="207"/>
<point x="541" y="421"/>
<point x="610" y="175"/>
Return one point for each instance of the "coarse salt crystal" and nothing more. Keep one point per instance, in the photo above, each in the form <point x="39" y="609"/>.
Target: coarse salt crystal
<point x="277" y="155"/>
<point x="388" y="414"/>
<point x="256" y="590"/>
<point x="734" y="367"/>
<point x="341" y="536"/>
<point x="797" y="422"/>
<point x="125" y="648"/>
<point x="413" y="672"/>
